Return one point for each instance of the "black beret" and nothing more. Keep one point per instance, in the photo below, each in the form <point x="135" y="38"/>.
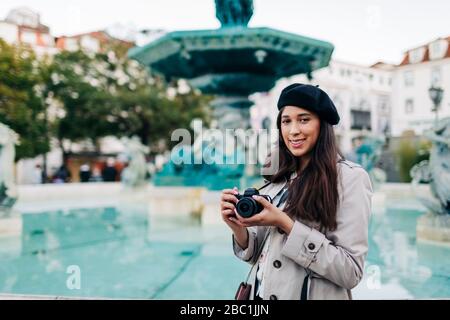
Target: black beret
<point x="311" y="98"/>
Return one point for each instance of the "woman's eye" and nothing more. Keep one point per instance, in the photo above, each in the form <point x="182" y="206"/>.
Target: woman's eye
<point x="304" y="120"/>
<point x="285" y="121"/>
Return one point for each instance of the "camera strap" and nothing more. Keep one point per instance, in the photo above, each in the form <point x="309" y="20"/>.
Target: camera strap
<point x="283" y="197"/>
<point x="264" y="185"/>
<point x="259" y="253"/>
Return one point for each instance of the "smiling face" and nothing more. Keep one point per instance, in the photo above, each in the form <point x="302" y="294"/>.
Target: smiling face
<point x="300" y="130"/>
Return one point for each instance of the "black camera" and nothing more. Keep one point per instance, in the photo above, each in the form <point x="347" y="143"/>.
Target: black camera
<point x="247" y="206"/>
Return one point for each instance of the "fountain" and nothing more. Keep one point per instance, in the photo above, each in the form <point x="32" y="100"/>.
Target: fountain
<point x="435" y="225"/>
<point x="231" y="63"/>
<point x="8" y="189"/>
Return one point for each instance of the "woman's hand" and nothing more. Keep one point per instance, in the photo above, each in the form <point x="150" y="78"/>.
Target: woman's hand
<point x="229" y="215"/>
<point x="228" y="202"/>
<point x="269" y="216"/>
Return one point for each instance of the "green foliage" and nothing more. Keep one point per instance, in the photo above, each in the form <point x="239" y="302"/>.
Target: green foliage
<point x="79" y="96"/>
<point x="21" y="104"/>
<point x="108" y="94"/>
<point x="410" y="153"/>
<point x="148" y="113"/>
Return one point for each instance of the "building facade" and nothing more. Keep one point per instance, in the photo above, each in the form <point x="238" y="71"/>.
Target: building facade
<point x="421" y="68"/>
<point x="96" y="41"/>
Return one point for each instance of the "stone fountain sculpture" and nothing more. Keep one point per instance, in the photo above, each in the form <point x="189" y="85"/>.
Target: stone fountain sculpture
<point x="367" y="154"/>
<point x="8" y="190"/>
<point x="136" y="173"/>
<point x="208" y="156"/>
<point x="234" y="13"/>
<point x="435" y="225"/>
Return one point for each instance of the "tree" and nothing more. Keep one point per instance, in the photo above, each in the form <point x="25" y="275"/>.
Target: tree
<point x="77" y="90"/>
<point x="409" y="153"/>
<point x="108" y="94"/>
<point x="150" y="114"/>
<point x="21" y="104"/>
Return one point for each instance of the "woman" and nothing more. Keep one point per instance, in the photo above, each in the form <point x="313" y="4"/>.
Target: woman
<point x="313" y="245"/>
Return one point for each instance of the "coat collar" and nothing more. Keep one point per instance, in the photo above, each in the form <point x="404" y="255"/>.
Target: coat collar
<point x="274" y="188"/>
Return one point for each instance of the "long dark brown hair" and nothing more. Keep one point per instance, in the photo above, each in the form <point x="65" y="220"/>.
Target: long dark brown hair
<point x="313" y="194"/>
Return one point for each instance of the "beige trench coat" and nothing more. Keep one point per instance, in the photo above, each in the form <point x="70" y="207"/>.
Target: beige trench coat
<point x="334" y="261"/>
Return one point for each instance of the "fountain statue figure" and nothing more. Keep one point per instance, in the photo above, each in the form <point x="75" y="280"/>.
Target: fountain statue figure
<point x="367" y="152"/>
<point x="135" y="174"/>
<point x="209" y="161"/>
<point x="8" y="191"/>
<point x="234" y="12"/>
<point x="436" y="171"/>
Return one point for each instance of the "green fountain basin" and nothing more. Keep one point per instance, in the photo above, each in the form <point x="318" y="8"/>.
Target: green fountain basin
<point x="235" y="60"/>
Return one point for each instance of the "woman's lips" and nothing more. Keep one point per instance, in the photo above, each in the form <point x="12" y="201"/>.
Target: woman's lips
<point x="297" y="143"/>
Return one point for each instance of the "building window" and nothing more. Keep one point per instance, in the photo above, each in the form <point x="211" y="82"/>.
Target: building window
<point x="383" y="105"/>
<point x="71" y="44"/>
<point x="417" y="55"/>
<point x="409" y="78"/>
<point x="29" y="37"/>
<point x="47" y="40"/>
<point x="342" y="72"/>
<point x="381" y="80"/>
<point x="409" y="106"/>
<point x="360" y="120"/>
<point x="90" y="44"/>
<point x="436" y="76"/>
<point x="437" y="49"/>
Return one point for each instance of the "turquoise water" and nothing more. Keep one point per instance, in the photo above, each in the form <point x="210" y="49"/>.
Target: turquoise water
<point x="127" y="253"/>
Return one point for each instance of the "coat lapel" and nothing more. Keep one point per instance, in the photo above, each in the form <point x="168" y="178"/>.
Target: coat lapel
<point x="273" y="189"/>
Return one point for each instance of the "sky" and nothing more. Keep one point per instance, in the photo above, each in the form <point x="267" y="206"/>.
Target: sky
<point x="362" y="31"/>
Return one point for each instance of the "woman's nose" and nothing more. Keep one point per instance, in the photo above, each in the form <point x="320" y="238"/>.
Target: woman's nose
<point x="295" y="129"/>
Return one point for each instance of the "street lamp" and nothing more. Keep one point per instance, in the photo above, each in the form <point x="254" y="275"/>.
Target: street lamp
<point x="436" y="94"/>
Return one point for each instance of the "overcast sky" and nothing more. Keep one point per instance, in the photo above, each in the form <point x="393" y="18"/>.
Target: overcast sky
<point x="362" y="32"/>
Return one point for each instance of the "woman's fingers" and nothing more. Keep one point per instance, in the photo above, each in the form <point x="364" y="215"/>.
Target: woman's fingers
<point x="230" y="191"/>
<point x="249" y="222"/>
<point x="228" y="212"/>
<point x="235" y="220"/>
<point x="254" y="220"/>
<point x="262" y="201"/>
<point x="229" y="198"/>
<point x="227" y="205"/>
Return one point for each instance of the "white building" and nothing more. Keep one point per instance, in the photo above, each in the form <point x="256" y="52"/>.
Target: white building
<point x="23" y="26"/>
<point x="361" y="95"/>
<point x="421" y="68"/>
<point x="96" y="41"/>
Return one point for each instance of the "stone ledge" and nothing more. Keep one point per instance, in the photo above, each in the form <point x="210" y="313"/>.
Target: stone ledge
<point x="434" y="228"/>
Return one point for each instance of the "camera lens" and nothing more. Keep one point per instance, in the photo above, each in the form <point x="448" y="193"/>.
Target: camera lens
<point x="246" y="207"/>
